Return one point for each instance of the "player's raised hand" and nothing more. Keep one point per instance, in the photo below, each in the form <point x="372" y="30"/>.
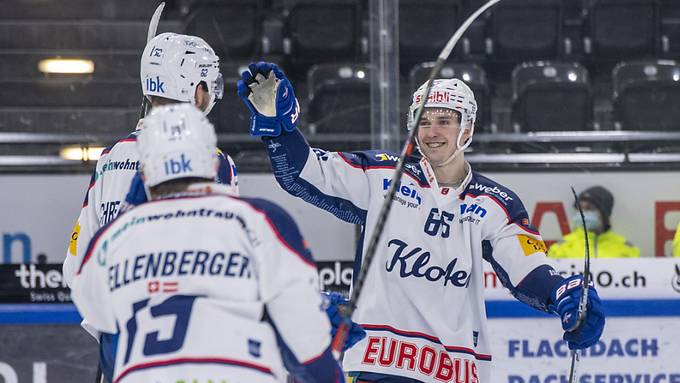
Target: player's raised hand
<point x="269" y="95"/>
<point x="565" y="300"/>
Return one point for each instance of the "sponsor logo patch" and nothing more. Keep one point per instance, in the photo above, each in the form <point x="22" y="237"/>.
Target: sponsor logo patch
<point x="531" y="245"/>
<point x="386" y="157"/>
<point x="73" y="243"/>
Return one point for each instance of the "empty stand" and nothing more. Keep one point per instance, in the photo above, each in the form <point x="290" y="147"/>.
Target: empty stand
<point x="230" y="115"/>
<point x="424" y="28"/>
<point x="525" y="30"/>
<point x="670" y="28"/>
<point x="647" y="95"/>
<point x="107" y="65"/>
<point x="621" y="29"/>
<point x="339" y="99"/>
<point x="84" y="120"/>
<point x="233" y="28"/>
<point x="322" y="31"/>
<point x="551" y="97"/>
<point x="70" y="92"/>
<point x="78" y="34"/>
<point x="82" y="9"/>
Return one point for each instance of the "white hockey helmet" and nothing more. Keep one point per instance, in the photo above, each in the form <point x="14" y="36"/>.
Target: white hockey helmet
<point x="451" y="94"/>
<point x="177" y="141"/>
<point x="173" y="65"/>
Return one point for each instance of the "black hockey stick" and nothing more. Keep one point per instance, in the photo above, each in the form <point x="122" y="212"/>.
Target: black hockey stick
<point x="151" y="33"/>
<point x="583" y="303"/>
<point x="407" y="150"/>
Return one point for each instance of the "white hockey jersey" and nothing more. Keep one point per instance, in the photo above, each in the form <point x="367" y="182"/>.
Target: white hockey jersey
<point x="109" y="184"/>
<point x="422" y="305"/>
<point x="206" y="287"/>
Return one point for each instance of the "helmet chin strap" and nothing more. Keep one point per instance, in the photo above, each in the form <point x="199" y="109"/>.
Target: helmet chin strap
<point x="450" y="159"/>
<point x="211" y="103"/>
<point x="459" y="149"/>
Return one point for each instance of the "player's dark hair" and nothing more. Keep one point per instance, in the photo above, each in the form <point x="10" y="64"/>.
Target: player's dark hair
<point x="178" y="185"/>
<point x="160" y="101"/>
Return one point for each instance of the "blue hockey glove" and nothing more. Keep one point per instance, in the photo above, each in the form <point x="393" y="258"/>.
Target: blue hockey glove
<point x="136" y="195"/>
<point x="332" y="302"/>
<point x="269" y="95"/>
<point x="564" y="302"/>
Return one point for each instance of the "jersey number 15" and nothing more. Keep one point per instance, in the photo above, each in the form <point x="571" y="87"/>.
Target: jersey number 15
<point x="179" y="306"/>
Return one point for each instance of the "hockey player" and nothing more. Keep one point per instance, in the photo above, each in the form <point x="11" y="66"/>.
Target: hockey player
<point x="174" y="68"/>
<point x="425" y="314"/>
<point x="203" y="286"/>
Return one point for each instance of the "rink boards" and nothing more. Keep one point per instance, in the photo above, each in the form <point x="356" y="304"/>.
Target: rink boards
<point x="641" y="342"/>
<point x="646" y="210"/>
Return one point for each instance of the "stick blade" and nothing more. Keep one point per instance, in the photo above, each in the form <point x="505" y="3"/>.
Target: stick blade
<point x="153" y="24"/>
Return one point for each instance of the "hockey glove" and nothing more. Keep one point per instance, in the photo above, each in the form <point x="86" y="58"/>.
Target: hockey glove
<point x="136" y="195"/>
<point x="269" y="95"/>
<point x="564" y="302"/>
<point x="332" y="302"/>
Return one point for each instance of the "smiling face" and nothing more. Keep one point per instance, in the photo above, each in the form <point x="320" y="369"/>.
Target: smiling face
<point x="438" y="134"/>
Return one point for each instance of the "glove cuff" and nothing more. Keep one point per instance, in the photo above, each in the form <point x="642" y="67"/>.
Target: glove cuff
<point x="290" y="119"/>
<point x="264" y="126"/>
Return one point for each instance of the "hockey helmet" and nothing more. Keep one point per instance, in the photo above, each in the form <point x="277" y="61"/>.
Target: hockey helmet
<point x="451" y="94"/>
<point x="173" y="65"/>
<point x="177" y="141"/>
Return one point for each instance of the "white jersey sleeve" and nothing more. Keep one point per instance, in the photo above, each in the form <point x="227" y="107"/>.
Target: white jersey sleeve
<point x="110" y="184"/>
<point x="91" y="292"/>
<point x="106" y="191"/>
<point x="334" y="181"/>
<point x="289" y="284"/>
<point x="513" y="247"/>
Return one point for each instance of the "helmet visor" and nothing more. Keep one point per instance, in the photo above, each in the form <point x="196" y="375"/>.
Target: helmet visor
<point x="218" y="87"/>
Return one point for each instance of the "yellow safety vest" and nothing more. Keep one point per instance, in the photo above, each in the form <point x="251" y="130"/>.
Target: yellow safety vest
<point x="605" y="245"/>
<point x="676" y="243"/>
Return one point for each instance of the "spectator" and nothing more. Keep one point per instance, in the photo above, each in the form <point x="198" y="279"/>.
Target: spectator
<point x="597" y="204"/>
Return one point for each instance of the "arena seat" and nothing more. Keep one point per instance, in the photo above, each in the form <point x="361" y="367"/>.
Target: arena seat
<point x="81" y="9"/>
<point x="339" y="99"/>
<point x="230" y="115"/>
<point x="424" y="28"/>
<point x="239" y="38"/>
<point x="647" y="95"/>
<point x="70" y="92"/>
<point x="621" y="29"/>
<point x="670" y="28"/>
<point x="551" y="96"/>
<point x="317" y="32"/>
<point x="78" y="34"/>
<point x="57" y="120"/>
<point x="525" y="30"/>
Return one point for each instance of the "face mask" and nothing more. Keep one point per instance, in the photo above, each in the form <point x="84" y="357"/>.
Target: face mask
<point x="592" y="219"/>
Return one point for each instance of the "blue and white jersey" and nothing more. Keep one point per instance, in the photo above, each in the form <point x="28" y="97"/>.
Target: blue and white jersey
<point x="423" y="301"/>
<point x="106" y="193"/>
<point x="206" y="287"/>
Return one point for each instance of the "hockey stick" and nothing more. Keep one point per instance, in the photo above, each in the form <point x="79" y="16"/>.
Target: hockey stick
<point x="407" y="150"/>
<point x="153" y="27"/>
<point x="583" y="303"/>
